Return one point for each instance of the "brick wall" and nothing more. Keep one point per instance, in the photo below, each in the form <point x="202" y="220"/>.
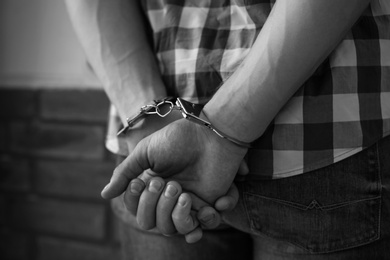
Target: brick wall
<point x="53" y="165"/>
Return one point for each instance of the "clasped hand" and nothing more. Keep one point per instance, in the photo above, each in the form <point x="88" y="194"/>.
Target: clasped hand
<point x="183" y="154"/>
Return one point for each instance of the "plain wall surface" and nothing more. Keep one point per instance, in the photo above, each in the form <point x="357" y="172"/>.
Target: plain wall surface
<point x="38" y="47"/>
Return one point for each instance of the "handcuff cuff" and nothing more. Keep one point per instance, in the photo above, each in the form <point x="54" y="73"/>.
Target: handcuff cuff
<point x="190" y="111"/>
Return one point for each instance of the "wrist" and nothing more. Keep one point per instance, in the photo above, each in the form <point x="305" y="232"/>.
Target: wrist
<point x="194" y="113"/>
<point x="148" y="126"/>
<point x="212" y="127"/>
<point x="226" y="120"/>
<point x="133" y="96"/>
<point x="212" y="140"/>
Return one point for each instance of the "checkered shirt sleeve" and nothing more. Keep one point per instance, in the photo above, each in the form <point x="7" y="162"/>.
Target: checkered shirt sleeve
<point x="341" y="109"/>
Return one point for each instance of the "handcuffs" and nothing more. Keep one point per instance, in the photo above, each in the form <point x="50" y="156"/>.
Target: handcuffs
<point x="190" y="111"/>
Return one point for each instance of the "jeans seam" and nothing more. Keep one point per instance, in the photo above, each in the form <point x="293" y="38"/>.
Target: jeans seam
<point x="306" y="207"/>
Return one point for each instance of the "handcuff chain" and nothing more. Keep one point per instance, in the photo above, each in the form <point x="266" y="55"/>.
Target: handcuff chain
<point x="155" y="109"/>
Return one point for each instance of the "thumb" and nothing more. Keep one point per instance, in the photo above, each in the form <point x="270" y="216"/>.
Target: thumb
<point x="129" y="169"/>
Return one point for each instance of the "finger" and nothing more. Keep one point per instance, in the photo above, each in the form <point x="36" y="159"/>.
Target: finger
<point x="129" y="169"/>
<point x="243" y="169"/>
<point x="229" y="201"/>
<point x="133" y="194"/>
<point x="209" y="218"/>
<point x="183" y="219"/>
<point x="207" y="215"/>
<point x="146" y="212"/>
<point x="194" y="236"/>
<point x="147" y="175"/>
<point x="165" y="207"/>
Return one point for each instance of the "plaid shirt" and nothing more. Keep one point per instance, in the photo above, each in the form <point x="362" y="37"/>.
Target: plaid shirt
<point x="341" y="109"/>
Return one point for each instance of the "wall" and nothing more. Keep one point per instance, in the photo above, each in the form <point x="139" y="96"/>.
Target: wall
<point x="53" y="166"/>
<point x="38" y="47"/>
<point x="53" y="163"/>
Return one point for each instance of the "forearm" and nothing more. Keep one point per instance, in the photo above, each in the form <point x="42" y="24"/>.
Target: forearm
<point x="113" y="35"/>
<point x="296" y="38"/>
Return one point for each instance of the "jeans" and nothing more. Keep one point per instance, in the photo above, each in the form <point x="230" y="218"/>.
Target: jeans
<point x="341" y="211"/>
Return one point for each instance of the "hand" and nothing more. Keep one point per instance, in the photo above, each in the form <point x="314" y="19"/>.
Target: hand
<point x="170" y="210"/>
<point x="198" y="159"/>
<point x="148" y="213"/>
<point x="148" y="126"/>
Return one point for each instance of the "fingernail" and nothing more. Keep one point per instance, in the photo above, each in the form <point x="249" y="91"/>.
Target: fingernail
<point x="182" y="201"/>
<point x="136" y="188"/>
<point x="207" y="218"/>
<point x="155" y="186"/>
<point x="170" y="191"/>
<point x="105" y="188"/>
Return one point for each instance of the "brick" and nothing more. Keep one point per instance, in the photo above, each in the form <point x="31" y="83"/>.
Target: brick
<point x="84" y="220"/>
<point x="3" y="137"/>
<point x="58" y="140"/>
<point x="50" y="248"/>
<point x="18" y="103"/>
<point x="3" y="210"/>
<point x="15" y="174"/>
<point x="15" y="245"/>
<point x="72" y="179"/>
<point x="82" y="105"/>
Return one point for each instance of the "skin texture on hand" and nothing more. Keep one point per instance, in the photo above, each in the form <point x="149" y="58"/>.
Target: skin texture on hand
<point x="148" y="126"/>
<point x="192" y="155"/>
<point x="168" y="211"/>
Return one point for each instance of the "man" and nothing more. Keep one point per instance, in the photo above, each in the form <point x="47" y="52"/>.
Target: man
<point x="312" y="90"/>
<point x="113" y="35"/>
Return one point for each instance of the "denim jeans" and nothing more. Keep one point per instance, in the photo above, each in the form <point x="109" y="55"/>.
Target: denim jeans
<point x="338" y="212"/>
